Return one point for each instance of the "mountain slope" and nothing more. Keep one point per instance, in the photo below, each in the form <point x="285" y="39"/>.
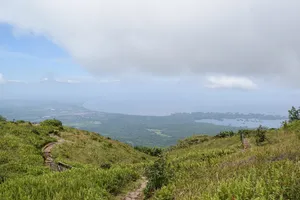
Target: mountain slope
<point x="205" y="167"/>
<point x="101" y="168"/>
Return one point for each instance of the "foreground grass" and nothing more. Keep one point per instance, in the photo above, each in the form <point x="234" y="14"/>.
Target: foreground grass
<point x="102" y="168"/>
<point x="73" y="184"/>
<point x="218" y="168"/>
<point x="20" y="149"/>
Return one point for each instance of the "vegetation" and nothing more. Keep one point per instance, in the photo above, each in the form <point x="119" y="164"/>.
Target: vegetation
<point x="158" y="175"/>
<point x="2" y="119"/>
<point x="220" y="168"/>
<point x="151" y="131"/>
<point x="198" y="167"/>
<point x="260" y="135"/>
<point x="87" y="148"/>
<point x="224" y="134"/>
<point x="152" y="151"/>
<point x="52" y="122"/>
<point x="102" y="168"/>
<point x="294" y="114"/>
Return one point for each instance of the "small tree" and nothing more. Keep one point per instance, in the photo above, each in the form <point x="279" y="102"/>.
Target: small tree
<point x="294" y="114"/>
<point x="260" y="135"/>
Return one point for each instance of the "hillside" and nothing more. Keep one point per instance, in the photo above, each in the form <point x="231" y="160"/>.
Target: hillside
<point x="101" y="168"/>
<point x="85" y="165"/>
<point x="204" y="167"/>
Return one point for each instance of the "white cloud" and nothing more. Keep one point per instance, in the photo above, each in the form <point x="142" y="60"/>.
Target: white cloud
<point x="236" y="38"/>
<point x="67" y="81"/>
<point x="81" y="79"/>
<point x="16" y="81"/>
<point x="2" y="80"/>
<point x="230" y="82"/>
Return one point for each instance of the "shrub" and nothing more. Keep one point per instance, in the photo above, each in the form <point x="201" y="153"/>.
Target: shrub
<point x="196" y="139"/>
<point x="52" y="122"/>
<point x="224" y="134"/>
<point x="20" y="122"/>
<point x="158" y="176"/>
<point x="154" y="151"/>
<point x="2" y="119"/>
<point x="105" y="166"/>
<point x="260" y="136"/>
<point x="294" y="114"/>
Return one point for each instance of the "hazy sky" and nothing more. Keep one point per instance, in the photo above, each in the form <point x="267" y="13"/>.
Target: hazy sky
<point x="215" y="53"/>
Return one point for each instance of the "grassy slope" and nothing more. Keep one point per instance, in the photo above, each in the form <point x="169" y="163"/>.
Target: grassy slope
<point x="83" y="147"/>
<point x="24" y="176"/>
<point x="219" y="169"/>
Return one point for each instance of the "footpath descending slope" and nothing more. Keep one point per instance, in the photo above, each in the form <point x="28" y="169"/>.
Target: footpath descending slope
<point x="138" y="194"/>
<point x="48" y="159"/>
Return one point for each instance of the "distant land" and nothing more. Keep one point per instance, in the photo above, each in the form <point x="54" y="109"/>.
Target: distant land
<point x="136" y="129"/>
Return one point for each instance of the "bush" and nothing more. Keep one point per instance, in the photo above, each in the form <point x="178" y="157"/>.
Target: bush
<point x="2" y="119"/>
<point x="225" y="134"/>
<point x="196" y="139"/>
<point x="20" y="122"/>
<point x="155" y="151"/>
<point x="294" y="114"/>
<point x="158" y="176"/>
<point x="260" y="136"/>
<point x="105" y="166"/>
<point x="52" y="122"/>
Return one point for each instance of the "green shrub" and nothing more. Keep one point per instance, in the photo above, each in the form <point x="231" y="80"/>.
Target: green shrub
<point x="20" y="122"/>
<point x="52" y="122"/>
<point x="2" y="119"/>
<point x="196" y="139"/>
<point x="260" y="136"/>
<point x="154" y="151"/>
<point x="165" y="193"/>
<point x="158" y="176"/>
<point x="224" y="134"/>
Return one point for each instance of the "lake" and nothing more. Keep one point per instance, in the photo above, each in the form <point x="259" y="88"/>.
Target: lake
<point x="250" y="123"/>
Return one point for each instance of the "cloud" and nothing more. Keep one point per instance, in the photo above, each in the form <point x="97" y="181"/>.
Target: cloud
<point x="77" y="80"/>
<point x="236" y="38"/>
<point x="2" y="80"/>
<point x="230" y="82"/>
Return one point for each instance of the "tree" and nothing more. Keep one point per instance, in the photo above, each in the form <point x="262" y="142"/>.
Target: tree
<point x="260" y="135"/>
<point x="294" y="114"/>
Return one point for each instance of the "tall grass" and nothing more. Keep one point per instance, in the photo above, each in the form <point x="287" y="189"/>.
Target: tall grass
<point x="218" y="168"/>
<point x="84" y="184"/>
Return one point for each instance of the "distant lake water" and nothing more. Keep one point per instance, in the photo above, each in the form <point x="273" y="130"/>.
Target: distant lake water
<point x="250" y="123"/>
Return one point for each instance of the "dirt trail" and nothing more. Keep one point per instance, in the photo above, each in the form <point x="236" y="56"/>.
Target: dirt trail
<point x="49" y="161"/>
<point x="138" y="194"/>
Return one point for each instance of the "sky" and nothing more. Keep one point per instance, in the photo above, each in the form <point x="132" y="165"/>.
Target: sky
<point x="153" y="57"/>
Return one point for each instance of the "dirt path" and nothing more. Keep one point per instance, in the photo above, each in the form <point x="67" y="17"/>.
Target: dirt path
<point x="138" y="194"/>
<point x="48" y="160"/>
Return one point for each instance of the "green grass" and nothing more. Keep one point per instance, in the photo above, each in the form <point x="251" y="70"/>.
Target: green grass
<point x="83" y="147"/>
<point x="86" y="184"/>
<point x="218" y="168"/>
<point x="20" y="149"/>
<point x="199" y="167"/>
<point x="23" y="175"/>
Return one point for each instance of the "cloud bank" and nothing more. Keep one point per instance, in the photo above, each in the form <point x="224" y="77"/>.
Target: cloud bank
<point x="230" y="82"/>
<point x="236" y="38"/>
